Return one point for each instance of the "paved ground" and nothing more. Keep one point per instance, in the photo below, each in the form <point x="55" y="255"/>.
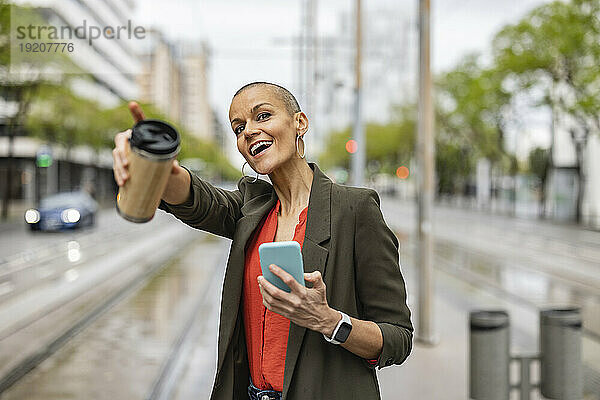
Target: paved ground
<point x="536" y="249"/>
<point x="533" y="262"/>
<point x="441" y="371"/>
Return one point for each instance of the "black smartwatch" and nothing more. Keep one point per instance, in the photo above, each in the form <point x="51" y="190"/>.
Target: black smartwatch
<point x="341" y="331"/>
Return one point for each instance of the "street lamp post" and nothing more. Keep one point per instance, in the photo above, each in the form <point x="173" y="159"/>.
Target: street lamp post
<point x="425" y="154"/>
<point x="358" y="159"/>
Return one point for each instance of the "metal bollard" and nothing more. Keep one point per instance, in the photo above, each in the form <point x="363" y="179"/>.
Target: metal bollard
<point x="560" y="354"/>
<point x="489" y="355"/>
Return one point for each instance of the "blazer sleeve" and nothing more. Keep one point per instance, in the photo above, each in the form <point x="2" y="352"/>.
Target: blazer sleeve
<point x="380" y="284"/>
<point x="208" y="208"/>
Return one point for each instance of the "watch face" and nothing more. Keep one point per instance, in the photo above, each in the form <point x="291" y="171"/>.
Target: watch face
<point x="343" y="333"/>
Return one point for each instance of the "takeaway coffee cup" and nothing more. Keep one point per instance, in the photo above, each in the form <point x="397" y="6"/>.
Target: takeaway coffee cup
<point x="153" y="146"/>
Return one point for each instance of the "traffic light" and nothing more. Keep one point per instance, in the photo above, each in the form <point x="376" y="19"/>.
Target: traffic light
<point x="43" y="157"/>
<point x="351" y="146"/>
<point x="402" y="172"/>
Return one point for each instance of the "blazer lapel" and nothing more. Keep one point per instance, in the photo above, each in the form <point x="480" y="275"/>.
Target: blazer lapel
<point x="314" y="256"/>
<point x="252" y="213"/>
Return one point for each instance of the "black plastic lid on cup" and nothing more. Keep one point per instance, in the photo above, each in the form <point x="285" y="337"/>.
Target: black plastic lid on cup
<point x="155" y="137"/>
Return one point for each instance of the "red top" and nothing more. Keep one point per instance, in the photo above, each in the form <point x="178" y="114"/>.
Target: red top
<point x="266" y="331"/>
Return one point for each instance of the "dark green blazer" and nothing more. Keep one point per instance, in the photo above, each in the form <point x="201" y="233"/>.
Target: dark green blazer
<point x="348" y="241"/>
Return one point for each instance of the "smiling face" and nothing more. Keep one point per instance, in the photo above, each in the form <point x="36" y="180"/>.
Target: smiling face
<point x="264" y="128"/>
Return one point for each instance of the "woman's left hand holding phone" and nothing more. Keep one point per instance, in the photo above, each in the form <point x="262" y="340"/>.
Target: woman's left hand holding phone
<point x="303" y="306"/>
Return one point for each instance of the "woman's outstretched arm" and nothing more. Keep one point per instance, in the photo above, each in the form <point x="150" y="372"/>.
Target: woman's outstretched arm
<point x="192" y="200"/>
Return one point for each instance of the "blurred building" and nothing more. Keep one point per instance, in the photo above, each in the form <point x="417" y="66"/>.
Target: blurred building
<point x="197" y="115"/>
<point x="111" y="63"/>
<point x="220" y="133"/>
<point x="174" y="79"/>
<point x="104" y="72"/>
<point x="159" y="79"/>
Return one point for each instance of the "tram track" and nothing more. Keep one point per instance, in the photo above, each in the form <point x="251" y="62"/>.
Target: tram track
<point x="591" y="372"/>
<point x="29" y="269"/>
<point x="478" y="280"/>
<point x="102" y="297"/>
<point x="590" y="332"/>
<point x="46" y="251"/>
<point x="172" y="369"/>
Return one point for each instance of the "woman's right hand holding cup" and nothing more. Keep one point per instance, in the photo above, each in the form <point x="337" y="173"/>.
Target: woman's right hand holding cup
<point x="177" y="189"/>
<point x="120" y="162"/>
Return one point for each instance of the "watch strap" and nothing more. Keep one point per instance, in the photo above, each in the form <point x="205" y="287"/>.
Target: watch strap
<point x="345" y="320"/>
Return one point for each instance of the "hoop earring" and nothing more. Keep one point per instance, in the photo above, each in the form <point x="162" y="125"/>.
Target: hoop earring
<point x="244" y="175"/>
<point x="298" y="137"/>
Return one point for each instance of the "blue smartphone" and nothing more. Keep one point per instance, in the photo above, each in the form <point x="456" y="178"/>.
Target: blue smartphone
<point x="287" y="256"/>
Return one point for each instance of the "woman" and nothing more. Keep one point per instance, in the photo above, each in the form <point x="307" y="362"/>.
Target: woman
<point x="322" y="341"/>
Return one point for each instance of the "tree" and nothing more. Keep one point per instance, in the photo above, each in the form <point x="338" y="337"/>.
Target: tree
<point x="472" y="107"/>
<point x="472" y="110"/>
<point x="539" y="163"/>
<point x="452" y="167"/>
<point x="555" y="51"/>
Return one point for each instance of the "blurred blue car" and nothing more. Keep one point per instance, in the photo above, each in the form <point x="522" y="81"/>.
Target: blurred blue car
<point x="67" y="210"/>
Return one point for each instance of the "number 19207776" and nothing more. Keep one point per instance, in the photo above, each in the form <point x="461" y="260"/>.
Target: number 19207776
<point x="50" y="47"/>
